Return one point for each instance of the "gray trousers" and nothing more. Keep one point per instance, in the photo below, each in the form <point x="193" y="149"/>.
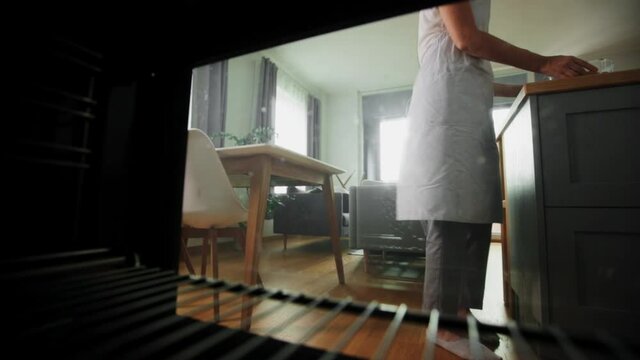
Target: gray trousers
<point x="455" y="266"/>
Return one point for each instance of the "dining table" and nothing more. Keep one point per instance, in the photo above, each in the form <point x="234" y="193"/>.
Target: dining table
<point x="259" y="167"/>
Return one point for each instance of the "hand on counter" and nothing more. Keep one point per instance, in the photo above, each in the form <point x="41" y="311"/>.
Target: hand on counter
<point x="562" y="66"/>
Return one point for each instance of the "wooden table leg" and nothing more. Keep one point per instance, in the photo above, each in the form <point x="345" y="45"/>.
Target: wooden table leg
<point x="258" y="192"/>
<point x="330" y="203"/>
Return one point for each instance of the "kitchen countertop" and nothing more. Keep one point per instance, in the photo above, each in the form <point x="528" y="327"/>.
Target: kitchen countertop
<point x="563" y="85"/>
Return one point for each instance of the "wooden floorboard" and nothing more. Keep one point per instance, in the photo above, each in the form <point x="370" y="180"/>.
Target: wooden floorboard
<point x="308" y="267"/>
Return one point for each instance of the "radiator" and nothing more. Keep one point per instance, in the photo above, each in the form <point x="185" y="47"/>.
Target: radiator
<point x="95" y="305"/>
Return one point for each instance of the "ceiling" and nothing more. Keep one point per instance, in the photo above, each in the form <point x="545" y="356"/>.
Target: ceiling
<point x="382" y="55"/>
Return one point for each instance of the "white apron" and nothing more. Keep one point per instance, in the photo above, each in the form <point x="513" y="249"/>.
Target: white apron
<point x="449" y="170"/>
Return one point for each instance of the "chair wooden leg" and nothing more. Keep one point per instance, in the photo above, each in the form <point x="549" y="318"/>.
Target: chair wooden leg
<point x="214" y="253"/>
<point x="204" y="252"/>
<point x="213" y="237"/>
<point x="284" y="240"/>
<point x="185" y="255"/>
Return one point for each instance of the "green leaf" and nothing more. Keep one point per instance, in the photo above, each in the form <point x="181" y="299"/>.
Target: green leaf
<point x="259" y="135"/>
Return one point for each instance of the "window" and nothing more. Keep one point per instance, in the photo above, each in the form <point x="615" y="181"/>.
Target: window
<point x="499" y="113"/>
<point x="392" y="134"/>
<point x="384" y="125"/>
<point x="291" y="115"/>
<point x="290" y="119"/>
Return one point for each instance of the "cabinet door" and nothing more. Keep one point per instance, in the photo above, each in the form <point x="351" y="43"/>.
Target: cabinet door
<point x="590" y="147"/>
<point x="593" y="269"/>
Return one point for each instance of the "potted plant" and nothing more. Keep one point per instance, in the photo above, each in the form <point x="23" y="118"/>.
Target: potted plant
<point x="259" y="135"/>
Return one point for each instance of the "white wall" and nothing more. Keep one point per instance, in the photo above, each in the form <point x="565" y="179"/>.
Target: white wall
<point x="624" y="61"/>
<point x="340" y="123"/>
<point x="290" y="70"/>
<point x="244" y="72"/>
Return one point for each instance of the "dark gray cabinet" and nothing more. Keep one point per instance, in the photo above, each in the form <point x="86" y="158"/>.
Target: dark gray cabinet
<point x="593" y="268"/>
<point x="589" y="144"/>
<point x="571" y="172"/>
<point x="305" y="214"/>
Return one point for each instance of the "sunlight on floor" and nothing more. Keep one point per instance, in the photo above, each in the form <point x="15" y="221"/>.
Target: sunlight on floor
<point x="493" y="311"/>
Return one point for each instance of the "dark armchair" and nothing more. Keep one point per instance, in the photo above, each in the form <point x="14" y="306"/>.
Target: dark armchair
<point x="304" y="214"/>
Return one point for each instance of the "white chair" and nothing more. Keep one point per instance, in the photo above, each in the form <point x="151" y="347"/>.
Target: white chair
<point x="210" y="206"/>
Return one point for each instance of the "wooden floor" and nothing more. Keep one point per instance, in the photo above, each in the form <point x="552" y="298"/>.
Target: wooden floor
<point x="307" y="267"/>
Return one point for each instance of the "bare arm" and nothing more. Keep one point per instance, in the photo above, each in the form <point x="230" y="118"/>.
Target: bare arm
<point x="506" y="90"/>
<point x="461" y="26"/>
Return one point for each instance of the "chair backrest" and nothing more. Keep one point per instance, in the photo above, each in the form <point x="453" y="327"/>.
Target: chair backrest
<point x="209" y="199"/>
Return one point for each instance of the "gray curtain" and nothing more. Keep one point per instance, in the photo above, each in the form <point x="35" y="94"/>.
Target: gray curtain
<point x="267" y="94"/>
<point x="375" y="108"/>
<point x="313" y="127"/>
<point x="209" y="99"/>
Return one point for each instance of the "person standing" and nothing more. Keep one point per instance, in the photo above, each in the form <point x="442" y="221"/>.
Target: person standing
<point x="449" y="174"/>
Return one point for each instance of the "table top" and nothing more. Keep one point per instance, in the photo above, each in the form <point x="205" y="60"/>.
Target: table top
<point x="584" y="82"/>
<point x="279" y="154"/>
